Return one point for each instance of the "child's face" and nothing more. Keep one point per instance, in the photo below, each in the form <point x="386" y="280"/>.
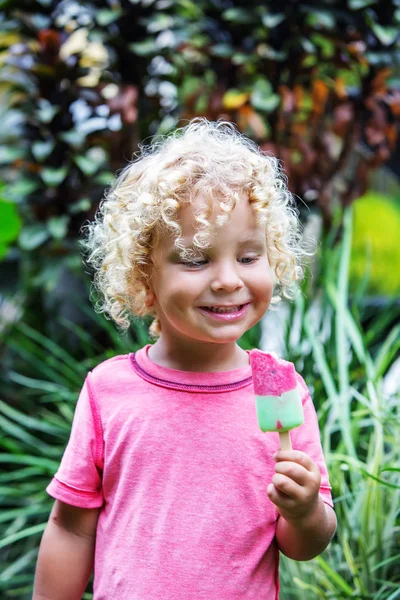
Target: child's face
<point x="234" y="272"/>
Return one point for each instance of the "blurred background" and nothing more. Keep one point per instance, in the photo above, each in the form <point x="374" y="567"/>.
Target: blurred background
<point x="315" y="83"/>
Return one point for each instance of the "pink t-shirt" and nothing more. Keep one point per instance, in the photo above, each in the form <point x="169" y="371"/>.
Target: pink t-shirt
<point x="179" y="467"/>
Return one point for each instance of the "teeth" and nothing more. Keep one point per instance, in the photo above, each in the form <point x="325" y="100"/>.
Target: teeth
<point x="231" y="309"/>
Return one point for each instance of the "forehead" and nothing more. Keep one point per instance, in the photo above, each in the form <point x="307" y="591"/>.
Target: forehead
<point x="242" y="216"/>
<point x="241" y="228"/>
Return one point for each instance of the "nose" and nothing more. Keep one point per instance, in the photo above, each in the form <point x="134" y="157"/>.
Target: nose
<point x="226" y="277"/>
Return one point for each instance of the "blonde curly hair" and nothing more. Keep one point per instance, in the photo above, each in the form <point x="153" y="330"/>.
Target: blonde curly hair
<point x="208" y="158"/>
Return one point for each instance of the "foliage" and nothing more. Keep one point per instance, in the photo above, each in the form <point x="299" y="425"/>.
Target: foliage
<point x="72" y="87"/>
<point x="10" y="224"/>
<point x="311" y="82"/>
<point x="375" y="260"/>
<point x="360" y="424"/>
<point x="82" y="83"/>
<point x="343" y="365"/>
<point x="32" y="444"/>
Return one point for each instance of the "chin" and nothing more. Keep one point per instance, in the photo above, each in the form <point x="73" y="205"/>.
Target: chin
<point x="227" y="338"/>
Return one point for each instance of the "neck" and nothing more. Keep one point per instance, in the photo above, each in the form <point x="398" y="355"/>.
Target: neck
<point x="198" y="358"/>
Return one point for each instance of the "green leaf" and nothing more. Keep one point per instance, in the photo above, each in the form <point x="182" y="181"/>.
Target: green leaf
<point x="10" y="222"/>
<point x="25" y="511"/>
<point x="83" y="205"/>
<point x="270" y="21"/>
<point x="64" y="363"/>
<point x="26" y="459"/>
<point x="263" y="98"/>
<point x="58" y="226"/>
<point x="105" y="178"/>
<point x="19" y="433"/>
<point x="27" y="421"/>
<point x="105" y="16"/>
<point x="307" y="45"/>
<point x="166" y="125"/>
<point x="41" y="150"/>
<point x="237" y="15"/>
<point x="160" y="22"/>
<point x="327" y="46"/>
<point x="48" y="276"/>
<point x="33" y="236"/>
<point x="87" y="165"/>
<point x="21" y="188"/>
<point x="309" y="61"/>
<point x="393" y="82"/>
<point x="8" y="154"/>
<point x="357" y="4"/>
<point x="335" y="577"/>
<point x="53" y="177"/>
<point x="11" y="539"/>
<point x="47" y="111"/>
<point x="240" y="58"/>
<point x="222" y="50"/>
<point x="201" y="104"/>
<point x="386" y="35"/>
<point x="73" y="137"/>
<point x="190" y="85"/>
<point x="318" y="18"/>
<point x="21" y="564"/>
<point x="144" y="48"/>
<point x="266" y="51"/>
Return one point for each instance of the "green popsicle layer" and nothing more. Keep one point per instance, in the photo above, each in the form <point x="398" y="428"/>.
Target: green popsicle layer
<point x="279" y="413"/>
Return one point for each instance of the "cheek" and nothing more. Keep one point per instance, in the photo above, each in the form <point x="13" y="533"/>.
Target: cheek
<point x="175" y="291"/>
<point x="263" y="282"/>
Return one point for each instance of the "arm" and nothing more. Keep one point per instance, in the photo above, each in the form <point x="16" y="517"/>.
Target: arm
<point x="66" y="553"/>
<point x="306" y="538"/>
<point x="306" y="524"/>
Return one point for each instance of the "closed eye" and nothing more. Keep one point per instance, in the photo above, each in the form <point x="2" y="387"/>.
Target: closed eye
<point x="247" y="260"/>
<point x="193" y="264"/>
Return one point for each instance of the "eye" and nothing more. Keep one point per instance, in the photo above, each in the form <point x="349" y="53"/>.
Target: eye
<point x="192" y="264"/>
<point x="247" y="260"/>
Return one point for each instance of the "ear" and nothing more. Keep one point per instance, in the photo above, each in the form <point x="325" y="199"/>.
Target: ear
<point x="149" y="298"/>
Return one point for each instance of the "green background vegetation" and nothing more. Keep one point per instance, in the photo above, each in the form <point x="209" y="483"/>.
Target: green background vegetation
<point x="81" y="84"/>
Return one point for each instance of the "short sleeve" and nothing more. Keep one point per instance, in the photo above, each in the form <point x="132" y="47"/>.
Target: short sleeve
<point x="78" y="479"/>
<point x="307" y="439"/>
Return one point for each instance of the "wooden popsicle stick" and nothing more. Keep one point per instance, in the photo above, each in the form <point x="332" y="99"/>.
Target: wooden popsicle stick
<point x="284" y="439"/>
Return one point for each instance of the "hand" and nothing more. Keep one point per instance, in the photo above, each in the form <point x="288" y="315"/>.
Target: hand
<point x="295" y="485"/>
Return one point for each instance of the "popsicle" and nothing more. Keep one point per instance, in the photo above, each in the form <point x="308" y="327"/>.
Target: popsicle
<point x="278" y="401"/>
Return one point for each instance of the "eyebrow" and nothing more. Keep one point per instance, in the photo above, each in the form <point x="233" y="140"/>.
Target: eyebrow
<point x="241" y="242"/>
<point x="256" y="242"/>
<point x="252" y="241"/>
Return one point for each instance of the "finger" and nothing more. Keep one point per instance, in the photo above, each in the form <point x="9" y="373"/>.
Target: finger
<point x="300" y="495"/>
<point x="281" y="500"/>
<point x="298" y="457"/>
<point x="299" y="473"/>
<point x="287" y="486"/>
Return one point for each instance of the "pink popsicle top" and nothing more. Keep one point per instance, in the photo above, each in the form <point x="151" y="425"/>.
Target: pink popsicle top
<point x="271" y="376"/>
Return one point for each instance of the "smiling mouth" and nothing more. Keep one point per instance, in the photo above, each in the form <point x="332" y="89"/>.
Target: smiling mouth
<point x="223" y="309"/>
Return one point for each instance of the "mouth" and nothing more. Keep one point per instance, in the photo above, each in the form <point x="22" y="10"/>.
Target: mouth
<point x="221" y="310"/>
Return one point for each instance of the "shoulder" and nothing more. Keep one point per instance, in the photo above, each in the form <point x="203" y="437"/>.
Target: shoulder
<point x="112" y="383"/>
<point x="121" y="361"/>
<point x="112" y="372"/>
